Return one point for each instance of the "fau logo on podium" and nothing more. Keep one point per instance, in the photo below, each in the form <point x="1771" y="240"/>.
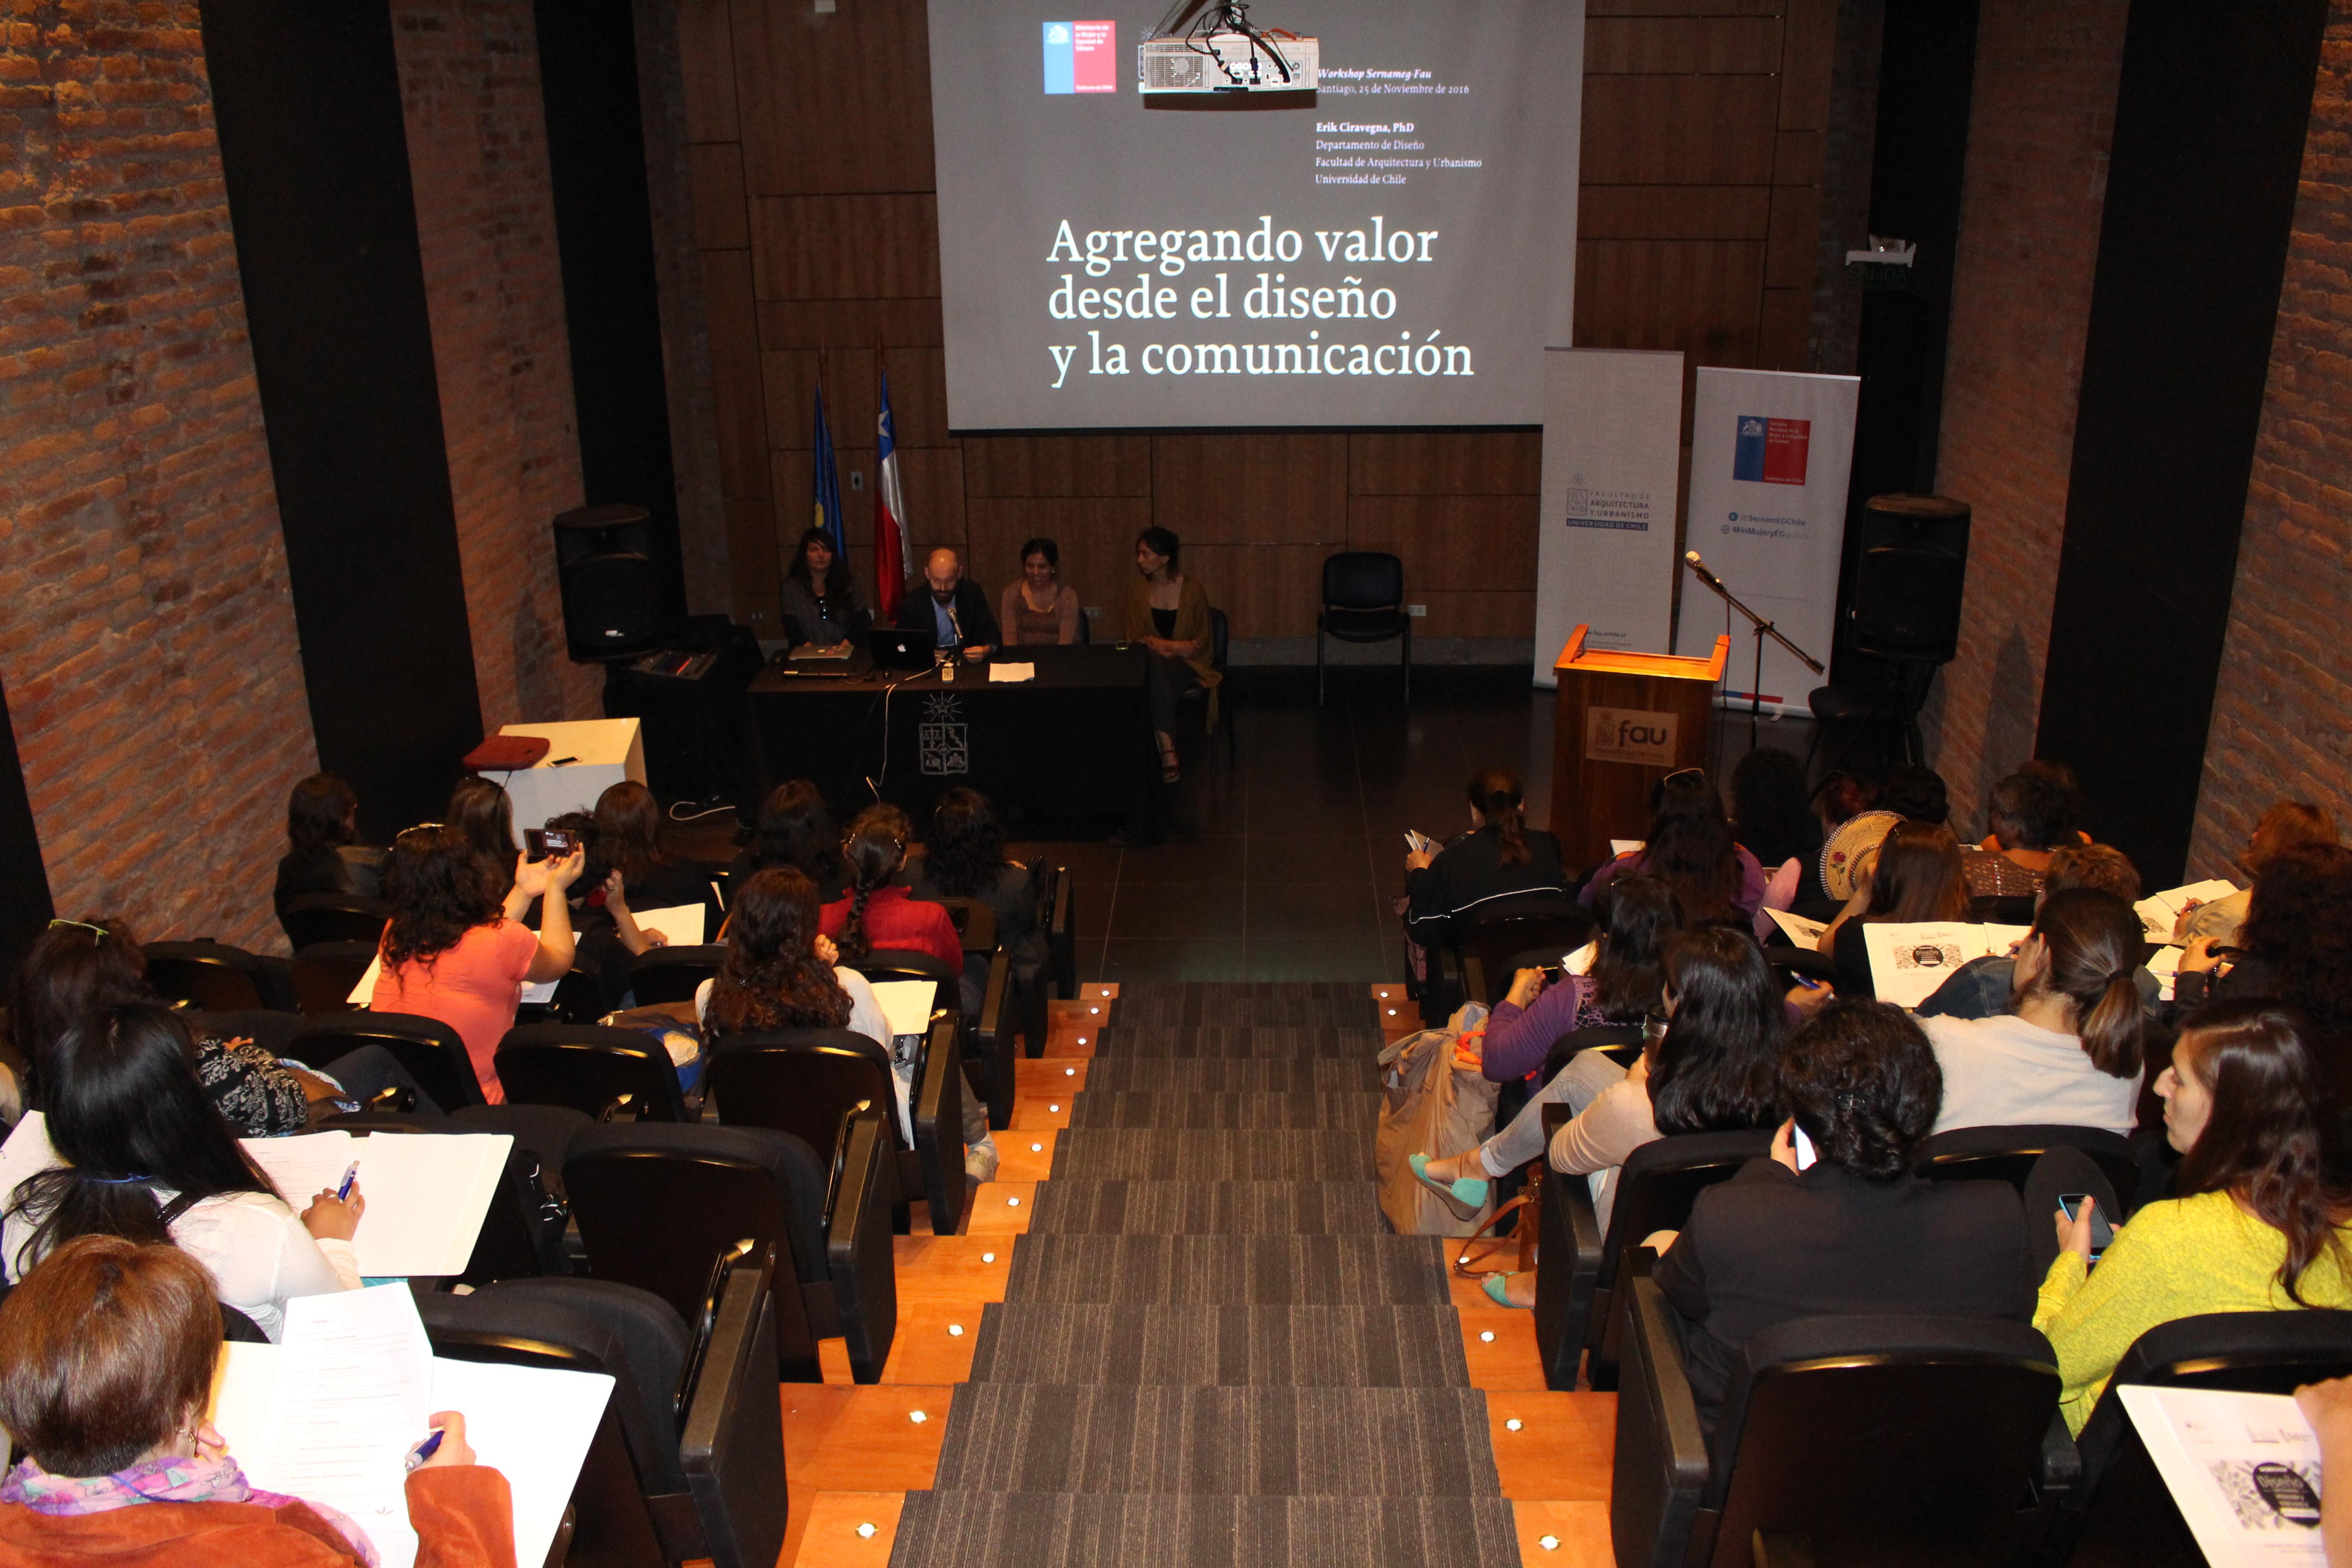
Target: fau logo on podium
<point x="1079" y="57"/>
<point x="1772" y="451"/>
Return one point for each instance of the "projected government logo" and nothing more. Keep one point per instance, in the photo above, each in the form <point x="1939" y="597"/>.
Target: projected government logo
<point x="1772" y="451"/>
<point x="1080" y="57"/>
<point x="1629" y="735"/>
<point x="944" y="740"/>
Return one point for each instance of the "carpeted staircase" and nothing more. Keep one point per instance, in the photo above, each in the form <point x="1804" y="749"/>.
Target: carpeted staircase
<point x="1211" y="1350"/>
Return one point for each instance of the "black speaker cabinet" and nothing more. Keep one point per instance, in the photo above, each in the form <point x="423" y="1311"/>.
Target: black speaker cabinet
<point x="1918" y="522"/>
<point x="1913" y="571"/>
<point x="611" y="605"/>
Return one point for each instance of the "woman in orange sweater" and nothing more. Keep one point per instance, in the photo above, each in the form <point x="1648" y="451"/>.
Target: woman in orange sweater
<point x="107" y="1352"/>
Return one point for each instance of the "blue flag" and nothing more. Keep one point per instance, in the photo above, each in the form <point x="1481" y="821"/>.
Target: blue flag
<point x="828" y="481"/>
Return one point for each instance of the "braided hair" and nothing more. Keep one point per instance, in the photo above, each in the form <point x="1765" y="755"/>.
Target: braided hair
<point x="1496" y="793"/>
<point x="771" y="978"/>
<point x="874" y="850"/>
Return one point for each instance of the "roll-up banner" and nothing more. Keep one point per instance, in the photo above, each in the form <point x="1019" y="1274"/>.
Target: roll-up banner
<point x="1770" y="455"/>
<point x="1611" y="453"/>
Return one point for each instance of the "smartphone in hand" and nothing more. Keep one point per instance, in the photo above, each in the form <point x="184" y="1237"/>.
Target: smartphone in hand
<point x="2103" y="1235"/>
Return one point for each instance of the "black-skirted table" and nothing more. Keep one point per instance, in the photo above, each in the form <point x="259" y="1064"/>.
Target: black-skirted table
<point x="1068" y="749"/>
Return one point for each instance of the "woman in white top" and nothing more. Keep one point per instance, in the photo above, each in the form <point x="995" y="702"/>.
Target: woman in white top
<point x="2068" y="1051"/>
<point x="131" y="1146"/>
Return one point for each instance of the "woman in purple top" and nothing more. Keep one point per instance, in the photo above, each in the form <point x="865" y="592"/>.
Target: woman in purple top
<point x="1641" y="918"/>
<point x="1691" y="849"/>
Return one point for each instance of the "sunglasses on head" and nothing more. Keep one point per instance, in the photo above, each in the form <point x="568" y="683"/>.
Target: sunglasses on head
<point x="420" y="827"/>
<point x="98" y="933"/>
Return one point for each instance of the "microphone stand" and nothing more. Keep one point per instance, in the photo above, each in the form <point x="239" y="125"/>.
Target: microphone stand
<point x="1764" y="629"/>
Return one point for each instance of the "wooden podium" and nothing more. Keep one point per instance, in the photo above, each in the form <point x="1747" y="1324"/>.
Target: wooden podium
<point x="1624" y="722"/>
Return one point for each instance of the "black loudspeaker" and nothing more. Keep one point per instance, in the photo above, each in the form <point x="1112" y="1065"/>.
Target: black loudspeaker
<point x="1912" y="574"/>
<point x="611" y="605"/>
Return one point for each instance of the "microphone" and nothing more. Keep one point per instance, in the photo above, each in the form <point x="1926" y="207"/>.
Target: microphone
<point x="1691" y="559"/>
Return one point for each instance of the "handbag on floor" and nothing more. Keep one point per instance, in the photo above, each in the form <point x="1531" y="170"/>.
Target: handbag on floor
<point x="1485" y="1252"/>
<point x="1431" y="1107"/>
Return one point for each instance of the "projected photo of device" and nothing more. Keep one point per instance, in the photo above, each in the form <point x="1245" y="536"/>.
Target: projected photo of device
<point x="1223" y="52"/>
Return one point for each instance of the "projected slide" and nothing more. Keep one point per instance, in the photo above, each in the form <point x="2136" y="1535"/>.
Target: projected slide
<point x="1399" y="252"/>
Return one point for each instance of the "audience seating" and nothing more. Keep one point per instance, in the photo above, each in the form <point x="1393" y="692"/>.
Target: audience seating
<point x="806" y="1081"/>
<point x="1580" y="1272"/>
<point x="579" y="998"/>
<point x="2121" y="1512"/>
<point x="216" y="977"/>
<point x="988" y="1055"/>
<point x="656" y="1203"/>
<point x="1621" y="1043"/>
<point x="689" y="1459"/>
<point x="326" y="974"/>
<point x="673" y="973"/>
<point x="605" y="1074"/>
<point x="1363" y="602"/>
<point x="2007" y="1153"/>
<point x="315" y="918"/>
<point x="975" y="924"/>
<point x="509" y="1247"/>
<point x="1061" y="936"/>
<point x="1852" y="1439"/>
<point x="1521" y="932"/>
<point x="432" y="1052"/>
<point x="272" y="1030"/>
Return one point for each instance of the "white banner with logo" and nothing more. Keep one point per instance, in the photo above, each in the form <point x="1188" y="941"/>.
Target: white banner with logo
<point x="1612" y="454"/>
<point x="1770" y="455"/>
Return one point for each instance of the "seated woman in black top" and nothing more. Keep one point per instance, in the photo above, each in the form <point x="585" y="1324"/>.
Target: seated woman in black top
<point x="1501" y="856"/>
<point x="1836" y="1224"/>
<point x="820" y="602"/>
<point x="795" y="829"/>
<point x="1916" y="877"/>
<point x="323" y="854"/>
<point x="964" y="858"/>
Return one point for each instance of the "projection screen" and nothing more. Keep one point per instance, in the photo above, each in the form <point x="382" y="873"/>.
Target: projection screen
<point x="1398" y="253"/>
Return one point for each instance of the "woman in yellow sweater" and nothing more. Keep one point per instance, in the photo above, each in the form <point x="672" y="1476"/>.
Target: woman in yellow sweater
<point x="1168" y="613"/>
<point x="2257" y="1226"/>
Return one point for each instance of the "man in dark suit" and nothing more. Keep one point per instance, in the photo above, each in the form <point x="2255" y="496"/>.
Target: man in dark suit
<point x="953" y="608"/>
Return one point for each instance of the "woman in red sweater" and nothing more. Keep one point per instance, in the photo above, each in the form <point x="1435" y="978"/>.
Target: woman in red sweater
<point x="878" y="912"/>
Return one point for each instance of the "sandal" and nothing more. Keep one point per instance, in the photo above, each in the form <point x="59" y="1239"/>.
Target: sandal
<point x="1464" y="1196"/>
<point x="1168" y="773"/>
<point x="1498" y="1291"/>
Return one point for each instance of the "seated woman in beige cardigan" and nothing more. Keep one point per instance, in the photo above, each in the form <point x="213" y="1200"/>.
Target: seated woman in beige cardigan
<point x="1168" y="613"/>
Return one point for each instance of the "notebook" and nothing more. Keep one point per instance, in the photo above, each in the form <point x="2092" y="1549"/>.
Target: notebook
<point x="427" y="1193"/>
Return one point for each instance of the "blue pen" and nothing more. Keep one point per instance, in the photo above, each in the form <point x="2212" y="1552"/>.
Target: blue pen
<point x="427" y="1449"/>
<point x="1808" y="984"/>
<point x="343" y="1192"/>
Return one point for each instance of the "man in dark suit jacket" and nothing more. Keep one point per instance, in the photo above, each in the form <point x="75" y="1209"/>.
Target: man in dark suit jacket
<point x="952" y="606"/>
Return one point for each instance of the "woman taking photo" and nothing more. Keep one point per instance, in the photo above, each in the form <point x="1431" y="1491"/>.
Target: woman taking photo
<point x="1690" y="848"/>
<point x="133" y="1149"/>
<point x="2258" y="1223"/>
<point x="2068" y="1051"/>
<point x="1916" y="877"/>
<point x="1039" y="609"/>
<point x="1168" y="614"/>
<point x="1715" y="1070"/>
<point x="1499" y="857"/>
<point x="483" y="814"/>
<point x="453" y="952"/>
<point x="107" y="1358"/>
<point x="820" y="602"/>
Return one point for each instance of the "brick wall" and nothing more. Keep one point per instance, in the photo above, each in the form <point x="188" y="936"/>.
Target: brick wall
<point x="148" y="644"/>
<point x="494" y="288"/>
<point x="2040" y="119"/>
<point x="2282" y="713"/>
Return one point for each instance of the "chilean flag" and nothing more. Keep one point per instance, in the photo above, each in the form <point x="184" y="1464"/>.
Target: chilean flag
<point x="893" y="552"/>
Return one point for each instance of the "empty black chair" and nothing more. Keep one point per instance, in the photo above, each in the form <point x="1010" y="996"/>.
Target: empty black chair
<point x="2007" y="1153"/>
<point x="432" y="1052"/>
<point x="688" y="1460"/>
<point x="806" y="1082"/>
<point x="1852" y="1439"/>
<point x="216" y="977"/>
<point x="2121" y="1511"/>
<point x="326" y="974"/>
<point x="315" y="918"/>
<point x="1551" y="923"/>
<point x="655" y="1204"/>
<point x="1579" y="1271"/>
<point x="604" y="1073"/>
<point x="1363" y="601"/>
<point x="662" y="975"/>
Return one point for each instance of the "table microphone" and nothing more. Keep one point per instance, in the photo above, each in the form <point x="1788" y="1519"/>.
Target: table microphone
<point x="1690" y="559"/>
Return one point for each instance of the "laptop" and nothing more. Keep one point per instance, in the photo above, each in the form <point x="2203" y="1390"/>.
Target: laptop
<point x="895" y="648"/>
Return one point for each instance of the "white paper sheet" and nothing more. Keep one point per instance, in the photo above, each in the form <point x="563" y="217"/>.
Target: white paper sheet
<point x="1909" y="961"/>
<point x="2159" y="912"/>
<point x="1581" y="960"/>
<point x="1799" y="931"/>
<point x="1012" y="672"/>
<point x="427" y="1193"/>
<point x="2243" y="1468"/>
<point x="907" y="1004"/>
<point x="1626" y="845"/>
<point x="537" y="996"/>
<point x="680" y="923"/>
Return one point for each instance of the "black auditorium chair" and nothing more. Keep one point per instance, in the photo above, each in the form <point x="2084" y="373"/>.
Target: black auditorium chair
<point x="271" y="1030"/>
<point x="2007" y="1153"/>
<point x="521" y="1238"/>
<point x="1909" y="1439"/>
<point x="1621" y="1043"/>
<point x="1581" y="1272"/>
<point x="662" y="975"/>
<point x="687" y="1459"/>
<point x="985" y="1047"/>
<point x="1523" y="926"/>
<point x="1061" y="939"/>
<point x="315" y="918"/>
<point x="432" y="1052"/>
<point x="607" y="1075"/>
<point x="654" y="1202"/>
<point x="2121" y="1512"/>
<point x="1219" y="645"/>
<point x="1034" y="986"/>
<point x="216" y="977"/>
<point x="804" y="1081"/>
<point x="578" y="998"/>
<point x="1363" y="601"/>
<point x="326" y="974"/>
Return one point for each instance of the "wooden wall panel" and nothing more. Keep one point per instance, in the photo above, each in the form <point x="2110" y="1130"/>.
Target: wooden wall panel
<point x="735" y="369"/>
<point x="1456" y="463"/>
<point x="1003" y="466"/>
<point x="1490" y="613"/>
<point x="1450" y="541"/>
<point x="837" y="102"/>
<point x="850" y="323"/>
<point x="1266" y="590"/>
<point x="1679" y="130"/>
<point x="846" y="247"/>
<point x="1239" y="490"/>
<point x="706" y="57"/>
<point x="1615" y="46"/>
<point x="720" y="219"/>
<point x="1674" y="212"/>
<point x="1698" y="296"/>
